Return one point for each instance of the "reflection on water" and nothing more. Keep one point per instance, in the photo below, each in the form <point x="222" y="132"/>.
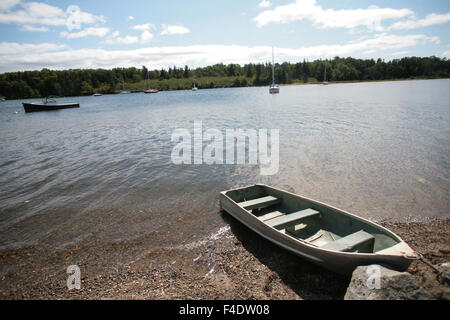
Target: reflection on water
<point x="380" y="150"/>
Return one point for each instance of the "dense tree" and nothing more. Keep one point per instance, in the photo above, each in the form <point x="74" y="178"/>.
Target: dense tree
<point x="30" y="84"/>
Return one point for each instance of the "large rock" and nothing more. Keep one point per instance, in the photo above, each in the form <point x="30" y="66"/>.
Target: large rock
<point x="376" y="282"/>
<point x="437" y="285"/>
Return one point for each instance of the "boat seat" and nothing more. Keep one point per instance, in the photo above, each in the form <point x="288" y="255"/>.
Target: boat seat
<point x="270" y="215"/>
<point x="355" y="241"/>
<point x="292" y="218"/>
<point x="259" y="203"/>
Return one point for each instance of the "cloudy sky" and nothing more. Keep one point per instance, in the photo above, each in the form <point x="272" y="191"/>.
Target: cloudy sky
<point x="105" y="33"/>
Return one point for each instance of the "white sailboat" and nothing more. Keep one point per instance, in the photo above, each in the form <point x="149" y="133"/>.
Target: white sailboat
<point x="274" y="88"/>
<point x="150" y="90"/>
<point x="325" y="81"/>
<point x="194" y="88"/>
<point x="123" y="88"/>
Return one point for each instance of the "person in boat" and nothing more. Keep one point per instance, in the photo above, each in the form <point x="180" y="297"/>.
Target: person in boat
<point x="49" y="100"/>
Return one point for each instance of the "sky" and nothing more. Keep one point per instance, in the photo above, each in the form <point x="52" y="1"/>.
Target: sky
<point x="160" y="34"/>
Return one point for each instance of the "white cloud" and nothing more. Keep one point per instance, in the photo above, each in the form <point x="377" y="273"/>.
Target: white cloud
<point x="144" y="27"/>
<point x="446" y="54"/>
<point x="8" y="4"/>
<point x="146" y="36"/>
<point x="115" y="34"/>
<point x="14" y="48"/>
<point x="123" y="40"/>
<point x="172" y="29"/>
<point x="429" y="20"/>
<point x="130" y="18"/>
<point x="196" y="55"/>
<point x="34" y="29"/>
<point x="38" y="13"/>
<point x="329" y="18"/>
<point x="96" y="32"/>
<point x="264" y="4"/>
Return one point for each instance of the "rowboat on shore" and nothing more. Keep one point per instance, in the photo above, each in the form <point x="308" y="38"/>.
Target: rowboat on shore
<point x="327" y="236"/>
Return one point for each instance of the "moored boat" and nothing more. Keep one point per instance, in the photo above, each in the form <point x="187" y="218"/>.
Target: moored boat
<point x="48" y="104"/>
<point x="327" y="236"/>
<point x="36" y="107"/>
<point x="274" y="88"/>
<point x="149" y="90"/>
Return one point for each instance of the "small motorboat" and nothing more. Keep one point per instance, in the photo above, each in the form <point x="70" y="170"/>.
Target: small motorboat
<point x="327" y="236"/>
<point x="48" y="104"/>
<point x="97" y="95"/>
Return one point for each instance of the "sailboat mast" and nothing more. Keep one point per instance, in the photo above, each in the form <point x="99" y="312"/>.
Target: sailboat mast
<point x="273" y="67"/>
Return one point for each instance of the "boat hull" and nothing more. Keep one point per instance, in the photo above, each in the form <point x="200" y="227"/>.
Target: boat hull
<point x="274" y="90"/>
<point x="340" y="262"/>
<point x="38" y="107"/>
<point x="151" y="91"/>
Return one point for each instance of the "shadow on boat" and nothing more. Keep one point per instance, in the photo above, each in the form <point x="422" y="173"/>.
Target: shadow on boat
<point x="309" y="281"/>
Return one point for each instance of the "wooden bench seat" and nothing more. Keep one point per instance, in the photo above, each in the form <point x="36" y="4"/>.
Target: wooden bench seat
<point x="291" y="219"/>
<point x="259" y="203"/>
<point x="360" y="240"/>
<point x="270" y="215"/>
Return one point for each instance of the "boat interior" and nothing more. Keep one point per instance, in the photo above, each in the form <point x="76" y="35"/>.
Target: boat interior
<point x="317" y="224"/>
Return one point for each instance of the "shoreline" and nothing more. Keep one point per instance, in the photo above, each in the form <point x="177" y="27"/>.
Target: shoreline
<point x="281" y="85"/>
<point x="231" y="263"/>
<point x="364" y="81"/>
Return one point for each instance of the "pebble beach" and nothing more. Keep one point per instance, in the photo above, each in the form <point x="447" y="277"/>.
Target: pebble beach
<point x="231" y="263"/>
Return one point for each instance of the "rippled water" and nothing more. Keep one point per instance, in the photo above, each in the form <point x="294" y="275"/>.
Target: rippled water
<point x="380" y="150"/>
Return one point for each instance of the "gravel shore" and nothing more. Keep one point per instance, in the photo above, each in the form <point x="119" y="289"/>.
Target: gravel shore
<point x="232" y="263"/>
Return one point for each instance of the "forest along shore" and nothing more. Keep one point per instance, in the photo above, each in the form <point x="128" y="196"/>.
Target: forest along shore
<point x="80" y="82"/>
<point x="231" y="263"/>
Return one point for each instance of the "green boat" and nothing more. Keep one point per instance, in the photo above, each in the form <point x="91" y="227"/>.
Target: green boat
<point x="327" y="236"/>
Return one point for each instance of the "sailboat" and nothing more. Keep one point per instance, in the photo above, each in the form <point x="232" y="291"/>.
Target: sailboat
<point x="194" y="88"/>
<point x="123" y="88"/>
<point x="325" y="82"/>
<point x="149" y="90"/>
<point x="274" y="88"/>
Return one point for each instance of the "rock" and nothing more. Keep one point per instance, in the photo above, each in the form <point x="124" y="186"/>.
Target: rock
<point x="437" y="285"/>
<point x="376" y="282"/>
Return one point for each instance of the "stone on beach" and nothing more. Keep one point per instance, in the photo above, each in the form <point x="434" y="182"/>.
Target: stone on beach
<point x="393" y="285"/>
<point x="438" y="285"/>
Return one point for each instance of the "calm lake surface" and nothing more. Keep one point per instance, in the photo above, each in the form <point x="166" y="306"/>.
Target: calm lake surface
<point x="380" y="150"/>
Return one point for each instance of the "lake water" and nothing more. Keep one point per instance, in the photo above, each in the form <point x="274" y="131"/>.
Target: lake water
<point x="104" y="171"/>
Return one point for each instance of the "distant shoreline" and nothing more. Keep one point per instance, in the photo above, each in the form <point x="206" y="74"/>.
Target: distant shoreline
<point x="282" y="85"/>
<point x="86" y="82"/>
<point x="362" y="81"/>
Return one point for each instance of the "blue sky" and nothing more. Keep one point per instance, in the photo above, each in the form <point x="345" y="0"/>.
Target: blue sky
<point x="158" y="34"/>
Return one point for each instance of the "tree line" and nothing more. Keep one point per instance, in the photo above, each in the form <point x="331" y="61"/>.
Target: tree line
<point x="34" y="84"/>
